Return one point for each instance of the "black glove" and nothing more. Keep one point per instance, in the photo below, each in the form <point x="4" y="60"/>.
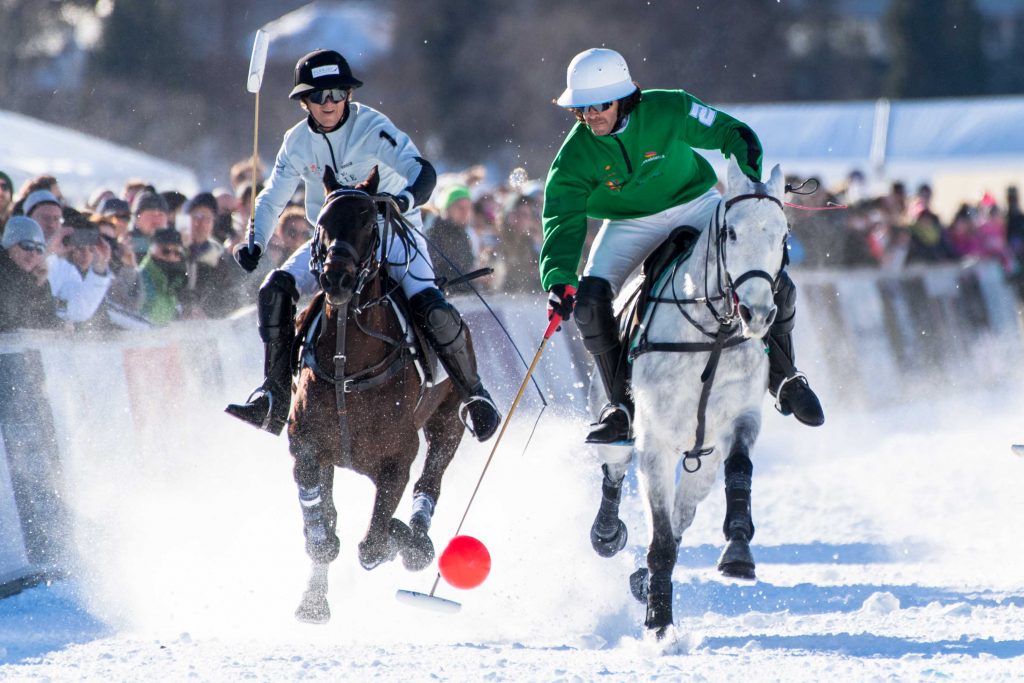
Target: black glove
<point x="561" y="299"/>
<point x="402" y="200"/>
<point x="248" y="260"/>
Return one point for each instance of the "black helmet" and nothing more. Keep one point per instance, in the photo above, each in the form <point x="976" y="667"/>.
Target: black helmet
<point x="320" y="70"/>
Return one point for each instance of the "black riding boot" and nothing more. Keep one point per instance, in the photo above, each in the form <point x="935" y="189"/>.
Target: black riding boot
<point x="268" y="406"/>
<point x="793" y="395"/>
<point x="446" y="333"/>
<point x="596" y="322"/>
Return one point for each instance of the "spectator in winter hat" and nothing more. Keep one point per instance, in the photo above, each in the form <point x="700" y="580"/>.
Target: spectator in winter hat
<point x="40" y="182"/>
<point x="25" y="299"/>
<point x="119" y="212"/>
<point x="150" y="214"/>
<point x="6" y="197"/>
<point x="206" y="267"/>
<point x="44" y="208"/>
<point x="449" y="239"/>
<point x="80" y="276"/>
<point x="162" y="277"/>
<point x="293" y="230"/>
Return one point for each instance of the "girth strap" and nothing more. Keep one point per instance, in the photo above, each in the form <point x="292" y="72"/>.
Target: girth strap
<point x="339" y="390"/>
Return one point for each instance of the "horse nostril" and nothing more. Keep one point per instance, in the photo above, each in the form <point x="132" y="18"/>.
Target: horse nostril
<point x="745" y="313"/>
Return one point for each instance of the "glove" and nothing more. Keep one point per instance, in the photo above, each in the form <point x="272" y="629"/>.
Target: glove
<point x="561" y="299"/>
<point x="403" y="200"/>
<point x="248" y="260"/>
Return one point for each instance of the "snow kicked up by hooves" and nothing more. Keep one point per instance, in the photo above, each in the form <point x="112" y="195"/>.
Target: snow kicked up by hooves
<point x="881" y="552"/>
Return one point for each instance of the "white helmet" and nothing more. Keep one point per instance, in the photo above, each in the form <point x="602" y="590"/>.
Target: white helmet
<point x="594" y="76"/>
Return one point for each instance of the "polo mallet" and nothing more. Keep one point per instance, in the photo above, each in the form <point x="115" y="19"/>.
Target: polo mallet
<point x="257" y="63"/>
<point x="429" y="600"/>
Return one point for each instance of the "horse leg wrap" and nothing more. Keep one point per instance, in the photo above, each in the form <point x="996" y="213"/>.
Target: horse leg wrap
<point x="321" y="545"/>
<point x="738" y="518"/>
<point x="659" y="602"/>
<point x="608" y="533"/>
<point x="422" y="512"/>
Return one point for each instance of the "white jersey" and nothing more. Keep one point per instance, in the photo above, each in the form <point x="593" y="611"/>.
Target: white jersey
<point x="367" y="138"/>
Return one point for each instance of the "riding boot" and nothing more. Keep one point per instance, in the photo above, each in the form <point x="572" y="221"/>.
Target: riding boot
<point x="793" y="394"/>
<point x="446" y="333"/>
<point x="268" y="405"/>
<point x="596" y="322"/>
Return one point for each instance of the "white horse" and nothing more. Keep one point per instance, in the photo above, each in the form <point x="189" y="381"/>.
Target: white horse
<point x="700" y="372"/>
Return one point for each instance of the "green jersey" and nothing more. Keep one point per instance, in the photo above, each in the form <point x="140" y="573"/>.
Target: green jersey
<point x="646" y="167"/>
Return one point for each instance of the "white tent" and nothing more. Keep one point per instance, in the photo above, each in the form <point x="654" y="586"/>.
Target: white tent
<point x="963" y="147"/>
<point x="81" y="163"/>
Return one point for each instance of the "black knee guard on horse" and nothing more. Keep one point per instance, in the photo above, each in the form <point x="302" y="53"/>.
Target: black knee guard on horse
<point x="267" y="407"/>
<point x="600" y="332"/>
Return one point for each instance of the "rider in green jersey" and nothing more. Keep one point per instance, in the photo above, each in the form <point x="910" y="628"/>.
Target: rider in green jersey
<point x="630" y="161"/>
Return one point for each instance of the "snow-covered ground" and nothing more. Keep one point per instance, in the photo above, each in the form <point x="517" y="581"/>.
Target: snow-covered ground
<point x="886" y="544"/>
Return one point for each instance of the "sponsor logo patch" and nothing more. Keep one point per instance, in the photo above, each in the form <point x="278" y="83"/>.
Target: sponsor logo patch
<point x="652" y="156"/>
<point x="706" y="115"/>
<point x="325" y="70"/>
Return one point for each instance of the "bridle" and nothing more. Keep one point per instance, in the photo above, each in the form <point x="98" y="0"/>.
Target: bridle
<point x="726" y="285"/>
<point x="367" y="265"/>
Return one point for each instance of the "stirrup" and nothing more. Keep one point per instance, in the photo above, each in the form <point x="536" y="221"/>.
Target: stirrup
<point x="259" y="392"/>
<point x="606" y="412"/>
<point x="464" y="411"/>
<point x="786" y="380"/>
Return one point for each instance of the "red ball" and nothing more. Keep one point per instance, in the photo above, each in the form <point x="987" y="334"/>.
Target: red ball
<point x="465" y="563"/>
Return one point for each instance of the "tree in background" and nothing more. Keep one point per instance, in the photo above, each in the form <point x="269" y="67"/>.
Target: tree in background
<point x="936" y="49"/>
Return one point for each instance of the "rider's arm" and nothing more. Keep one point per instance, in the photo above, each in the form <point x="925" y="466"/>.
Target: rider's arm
<point x="565" y="220"/>
<point x="709" y="128"/>
<point x="398" y="151"/>
<point x="276" y="194"/>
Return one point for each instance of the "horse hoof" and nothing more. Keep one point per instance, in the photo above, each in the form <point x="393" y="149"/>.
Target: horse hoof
<point x="639" y="584"/>
<point x="323" y="551"/>
<point x="372" y="554"/>
<point x="313" y="609"/>
<point x="737" y="562"/>
<point x="419" y="552"/>
<point x="609" y="547"/>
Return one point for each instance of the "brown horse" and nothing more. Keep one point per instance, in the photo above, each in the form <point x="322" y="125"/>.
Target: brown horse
<point x="359" y="401"/>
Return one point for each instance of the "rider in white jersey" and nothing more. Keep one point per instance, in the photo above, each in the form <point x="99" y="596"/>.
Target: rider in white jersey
<point x="351" y="139"/>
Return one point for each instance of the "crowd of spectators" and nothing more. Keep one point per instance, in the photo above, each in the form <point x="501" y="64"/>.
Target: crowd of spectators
<point x="136" y="257"/>
<point x="844" y="228"/>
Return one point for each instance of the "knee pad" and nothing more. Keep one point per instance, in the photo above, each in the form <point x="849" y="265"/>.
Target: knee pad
<point x="785" y="301"/>
<point x="437" y="317"/>
<point x="276" y="306"/>
<point x="594" y="316"/>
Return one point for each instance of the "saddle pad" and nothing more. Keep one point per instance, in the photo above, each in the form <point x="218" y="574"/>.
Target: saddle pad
<point x="676" y="247"/>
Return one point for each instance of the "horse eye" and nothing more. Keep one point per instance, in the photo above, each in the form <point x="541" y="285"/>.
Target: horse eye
<point x="732" y="234"/>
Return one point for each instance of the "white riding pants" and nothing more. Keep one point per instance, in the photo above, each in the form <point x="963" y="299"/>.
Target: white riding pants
<point x="414" y="277"/>
<point x="622" y="245"/>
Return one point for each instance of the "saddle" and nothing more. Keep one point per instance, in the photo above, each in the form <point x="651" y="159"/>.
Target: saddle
<point x="425" y="359"/>
<point x="676" y="247"/>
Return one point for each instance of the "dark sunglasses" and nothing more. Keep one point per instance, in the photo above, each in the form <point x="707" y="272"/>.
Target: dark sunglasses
<point x="336" y="94"/>
<point x="603" y="107"/>
<point x="29" y="245"/>
<point x="173" y="253"/>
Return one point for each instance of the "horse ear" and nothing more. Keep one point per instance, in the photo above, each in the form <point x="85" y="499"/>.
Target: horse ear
<point x="369" y="185"/>
<point x="737" y="181"/>
<point x="330" y="180"/>
<point x="777" y="182"/>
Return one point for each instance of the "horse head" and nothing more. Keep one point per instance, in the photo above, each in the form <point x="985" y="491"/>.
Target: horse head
<point x="752" y="240"/>
<point x="346" y="236"/>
